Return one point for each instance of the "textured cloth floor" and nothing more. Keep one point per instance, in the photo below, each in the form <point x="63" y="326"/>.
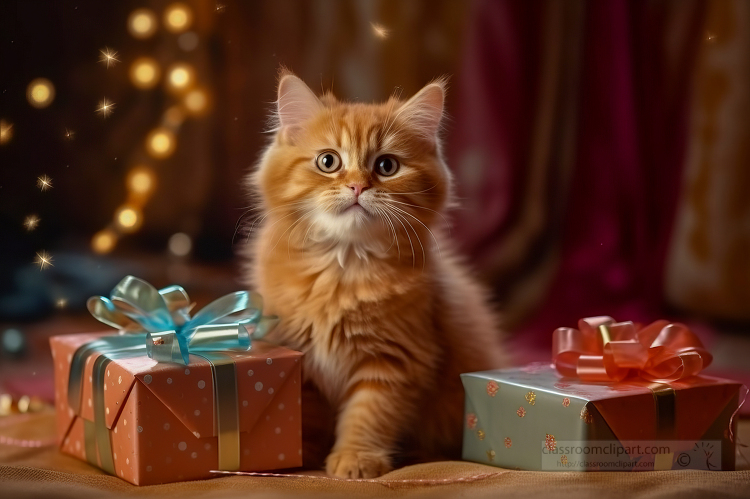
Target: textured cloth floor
<point x="44" y="472"/>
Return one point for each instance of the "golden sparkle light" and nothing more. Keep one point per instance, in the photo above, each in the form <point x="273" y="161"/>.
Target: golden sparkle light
<point x="141" y="180"/>
<point x="105" y="107"/>
<point x="144" y="72"/>
<point x="44" y="183"/>
<point x="61" y="303"/>
<point x="142" y="23"/>
<point x="108" y="57"/>
<point x="177" y="17"/>
<point x="103" y="241"/>
<point x="44" y="260"/>
<point x="181" y="77"/>
<point x="31" y="222"/>
<point x="40" y="93"/>
<point x="160" y="143"/>
<point x="128" y="218"/>
<point x="196" y="101"/>
<point x="6" y="132"/>
<point x="69" y="134"/>
<point x="380" y="31"/>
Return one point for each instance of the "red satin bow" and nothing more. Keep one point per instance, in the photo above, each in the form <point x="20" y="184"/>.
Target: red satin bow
<point x="602" y="350"/>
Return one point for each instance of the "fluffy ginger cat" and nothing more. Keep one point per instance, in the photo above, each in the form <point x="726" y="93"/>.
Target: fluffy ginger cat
<point x="349" y="254"/>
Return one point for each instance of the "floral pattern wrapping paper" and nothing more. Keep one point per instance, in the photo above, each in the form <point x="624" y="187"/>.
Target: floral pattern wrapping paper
<point x="515" y="416"/>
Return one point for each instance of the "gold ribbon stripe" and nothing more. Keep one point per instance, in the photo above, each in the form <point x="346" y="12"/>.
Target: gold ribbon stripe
<point x="226" y="410"/>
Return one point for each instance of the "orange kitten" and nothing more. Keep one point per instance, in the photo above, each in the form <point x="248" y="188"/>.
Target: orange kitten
<point x="349" y="254"/>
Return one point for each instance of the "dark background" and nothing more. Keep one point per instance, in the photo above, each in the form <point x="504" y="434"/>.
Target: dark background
<point x="599" y="149"/>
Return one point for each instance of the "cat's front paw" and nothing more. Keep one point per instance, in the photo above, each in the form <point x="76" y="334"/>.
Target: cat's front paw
<point x="357" y="464"/>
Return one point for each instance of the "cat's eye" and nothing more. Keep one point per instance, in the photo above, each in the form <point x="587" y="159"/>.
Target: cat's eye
<point x="386" y="165"/>
<point x="328" y="161"/>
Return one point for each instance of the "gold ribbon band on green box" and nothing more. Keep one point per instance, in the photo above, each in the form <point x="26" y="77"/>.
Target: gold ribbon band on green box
<point x="158" y="323"/>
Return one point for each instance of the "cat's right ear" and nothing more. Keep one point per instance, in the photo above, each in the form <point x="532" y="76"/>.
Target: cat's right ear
<point x="296" y="104"/>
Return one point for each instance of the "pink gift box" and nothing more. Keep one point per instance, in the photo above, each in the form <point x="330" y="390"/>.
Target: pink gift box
<point x="161" y="416"/>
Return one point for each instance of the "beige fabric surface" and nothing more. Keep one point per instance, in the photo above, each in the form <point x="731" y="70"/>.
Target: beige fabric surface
<point x="44" y="472"/>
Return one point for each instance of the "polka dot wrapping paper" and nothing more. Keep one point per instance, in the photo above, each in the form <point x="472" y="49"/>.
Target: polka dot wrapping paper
<point x="161" y="416"/>
<point x="528" y="418"/>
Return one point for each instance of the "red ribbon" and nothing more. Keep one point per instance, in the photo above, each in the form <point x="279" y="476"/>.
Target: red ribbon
<point x="604" y="350"/>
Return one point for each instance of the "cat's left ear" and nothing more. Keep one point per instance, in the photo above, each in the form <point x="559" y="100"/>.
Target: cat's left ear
<point x="424" y="111"/>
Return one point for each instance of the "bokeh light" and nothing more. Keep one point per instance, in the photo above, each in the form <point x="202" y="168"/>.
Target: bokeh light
<point x="144" y="72"/>
<point x="40" y="93"/>
<point x="128" y="218"/>
<point x="142" y="23"/>
<point x="178" y="17"/>
<point x="173" y="117"/>
<point x="181" y="77"/>
<point x="160" y="143"/>
<point x="196" y="101"/>
<point x="141" y="180"/>
<point x="180" y="244"/>
<point x="103" y="241"/>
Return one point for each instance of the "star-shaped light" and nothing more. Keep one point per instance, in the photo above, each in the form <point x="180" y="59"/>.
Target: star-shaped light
<point x="6" y="131"/>
<point x="105" y="107"/>
<point x="44" y="182"/>
<point x="108" y="57"/>
<point x="61" y="303"/>
<point x="69" y="134"/>
<point x="31" y="222"/>
<point x="44" y="260"/>
<point x="220" y="7"/>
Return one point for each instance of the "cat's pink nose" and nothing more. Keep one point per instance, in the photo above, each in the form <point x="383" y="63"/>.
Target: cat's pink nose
<point x="357" y="188"/>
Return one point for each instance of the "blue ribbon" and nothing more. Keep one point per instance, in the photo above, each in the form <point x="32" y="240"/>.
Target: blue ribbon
<point x="228" y="323"/>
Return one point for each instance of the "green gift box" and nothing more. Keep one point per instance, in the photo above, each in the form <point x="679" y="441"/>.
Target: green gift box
<point x="531" y="418"/>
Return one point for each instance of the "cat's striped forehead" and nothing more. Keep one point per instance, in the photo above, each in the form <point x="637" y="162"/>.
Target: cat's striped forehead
<point x="362" y="130"/>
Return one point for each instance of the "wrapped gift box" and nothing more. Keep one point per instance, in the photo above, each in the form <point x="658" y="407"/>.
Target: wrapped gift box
<point x="532" y="418"/>
<point x="161" y="418"/>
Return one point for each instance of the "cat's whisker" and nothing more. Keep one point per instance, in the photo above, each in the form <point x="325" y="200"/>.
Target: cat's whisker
<point x="395" y="233"/>
<point x="445" y="220"/>
<point x="304" y="239"/>
<point x="419" y="240"/>
<point x="237" y="225"/>
<point x="280" y="219"/>
<point x="294" y="227"/>
<point x="287" y="205"/>
<point x="290" y="226"/>
<point x="423" y="225"/>
<point x="381" y="214"/>
<point x="413" y="255"/>
<point x="416" y="234"/>
<point x="391" y="230"/>
<point x="387" y="117"/>
<point x="240" y="219"/>
<point x="417" y="192"/>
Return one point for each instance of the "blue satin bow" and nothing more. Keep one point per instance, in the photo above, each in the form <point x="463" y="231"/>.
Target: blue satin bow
<point x="136" y="306"/>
